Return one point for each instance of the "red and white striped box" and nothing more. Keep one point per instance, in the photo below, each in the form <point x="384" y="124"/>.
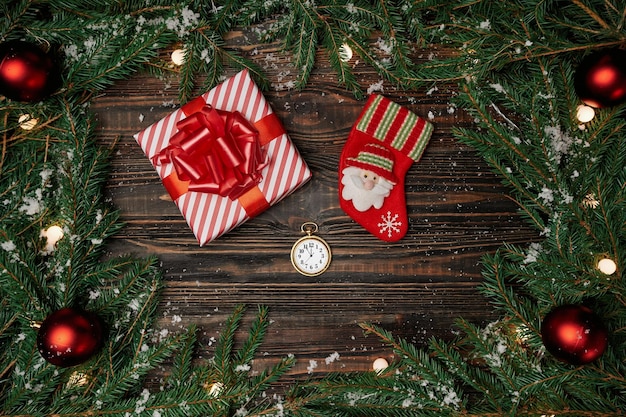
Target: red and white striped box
<point x="282" y="171"/>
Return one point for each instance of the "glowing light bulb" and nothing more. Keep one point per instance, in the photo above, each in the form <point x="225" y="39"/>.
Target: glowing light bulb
<point x="345" y="52"/>
<point x="380" y="364"/>
<point x="52" y="234"/>
<point x="607" y="266"/>
<point x="27" y="122"/>
<point x="178" y="57"/>
<point x="585" y="114"/>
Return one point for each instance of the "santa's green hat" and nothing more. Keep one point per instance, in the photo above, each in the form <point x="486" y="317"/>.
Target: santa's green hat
<point x="377" y="159"/>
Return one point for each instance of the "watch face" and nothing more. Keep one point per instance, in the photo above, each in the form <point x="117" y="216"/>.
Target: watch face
<point x="310" y="256"/>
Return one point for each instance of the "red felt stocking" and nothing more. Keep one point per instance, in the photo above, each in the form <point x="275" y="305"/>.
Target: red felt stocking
<point x="383" y="144"/>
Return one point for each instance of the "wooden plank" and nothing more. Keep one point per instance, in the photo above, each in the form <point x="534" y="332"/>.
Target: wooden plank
<point x="416" y="288"/>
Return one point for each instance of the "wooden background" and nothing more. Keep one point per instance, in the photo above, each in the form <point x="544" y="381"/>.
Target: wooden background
<point x="416" y="288"/>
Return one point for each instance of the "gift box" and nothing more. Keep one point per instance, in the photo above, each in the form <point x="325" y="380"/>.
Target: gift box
<point x="224" y="157"/>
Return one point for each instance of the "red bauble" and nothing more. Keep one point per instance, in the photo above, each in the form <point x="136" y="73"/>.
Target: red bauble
<point x="69" y="337"/>
<point x="600" y="80"/>
<point x="26" y="72"/>
<point x="574" y="334"/>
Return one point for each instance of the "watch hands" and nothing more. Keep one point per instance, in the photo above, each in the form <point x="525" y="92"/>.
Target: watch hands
<point x="310" y="256"/>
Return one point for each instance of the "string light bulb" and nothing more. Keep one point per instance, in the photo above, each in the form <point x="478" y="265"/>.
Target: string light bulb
<point x="607" y="266"/>
<point x="52" y="234"/>
<point x="380" y="364"/>
<point x="585" y="113"/>
<point x="178" y="57"/>
<point x="27" y="122"/>
<point x="345" y="52"/>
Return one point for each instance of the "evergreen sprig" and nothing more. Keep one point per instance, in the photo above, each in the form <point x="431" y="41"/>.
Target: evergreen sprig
<point x="513" y="63"/>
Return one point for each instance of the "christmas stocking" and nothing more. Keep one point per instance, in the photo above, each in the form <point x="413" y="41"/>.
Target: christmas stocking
<point x="383" y="144"/>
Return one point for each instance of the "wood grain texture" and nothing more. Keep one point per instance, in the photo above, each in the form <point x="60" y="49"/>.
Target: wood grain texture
<point x="416" y="288"/>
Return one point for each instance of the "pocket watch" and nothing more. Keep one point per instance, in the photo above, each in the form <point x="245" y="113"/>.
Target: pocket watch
<point x="310" y="255"/>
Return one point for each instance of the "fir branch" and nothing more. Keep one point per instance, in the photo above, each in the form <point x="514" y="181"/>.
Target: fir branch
<point x="497" y="287"/>
<point x="12" y="14"/>
<point x="226" y="341"/>
<point x="182" y="368"/>
<point x="257" y="332"/>
<point x="591" y="14"/>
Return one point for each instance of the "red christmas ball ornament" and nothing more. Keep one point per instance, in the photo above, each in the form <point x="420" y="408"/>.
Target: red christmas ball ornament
<point x="27" y="73"/>
<point x="574" y="334"/>
<point x="69" y="337"/>
<point x="600" y="79"/>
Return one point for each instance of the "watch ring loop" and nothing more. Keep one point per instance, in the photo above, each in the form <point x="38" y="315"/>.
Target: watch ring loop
<point x="309" y="228"/>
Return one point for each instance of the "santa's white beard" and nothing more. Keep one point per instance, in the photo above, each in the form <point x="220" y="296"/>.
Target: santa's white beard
<point x="362" y="198"/>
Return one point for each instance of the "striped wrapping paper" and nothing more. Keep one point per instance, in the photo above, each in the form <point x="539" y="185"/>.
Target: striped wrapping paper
<point x="210" y="215"/>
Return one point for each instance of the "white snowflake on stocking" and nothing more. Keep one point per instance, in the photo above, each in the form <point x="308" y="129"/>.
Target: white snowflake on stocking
<point x="389" y="224"/>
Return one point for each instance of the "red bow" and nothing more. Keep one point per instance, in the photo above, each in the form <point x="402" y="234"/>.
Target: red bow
<point x="217" y="151"/>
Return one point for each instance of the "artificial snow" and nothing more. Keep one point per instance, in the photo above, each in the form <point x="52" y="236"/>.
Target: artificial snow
<point x="376" y="87"/>
<point x="32" y="206"/>
<point x="45" y="175"/>
<point x="141" y="402"/>
<point x="8" y="246"/>
<point x="533" y="251"/>
<point x="431" y="90"/>
<point x="332" y="358"/>
<point x="242" y="368"/>
<point x="183" y="23"/>
<point x="450" y="397"/>
<point x="561" y="142"/>
<point x="134" y="305"/>
<point x="385" y="46"/>
<point x="205" y="56"/>
<point x="71" y="51"/>
<point x="498" y="88"/>
<point x="547" y="195"/>
<point x="354" y="397"/>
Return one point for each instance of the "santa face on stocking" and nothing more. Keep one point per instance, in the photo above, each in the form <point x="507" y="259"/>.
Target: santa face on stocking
<point x="368" y="178"/>
<point x="383" y="144"/>
<point x="364" y="188"/>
